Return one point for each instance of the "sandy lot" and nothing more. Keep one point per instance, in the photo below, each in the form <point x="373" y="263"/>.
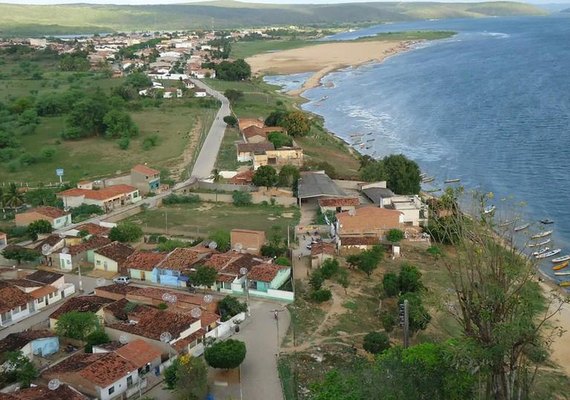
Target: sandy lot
<point x="324" y="58"/>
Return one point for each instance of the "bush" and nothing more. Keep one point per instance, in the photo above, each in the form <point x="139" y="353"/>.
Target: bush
<point x="180" y="199"/>
<point x="230" y="306"/>
<point x="329" y="268"/>
<point x="162" y="306"/>
<point x="391" y="284"/>
<point x="395" y="235"/>
<point x="230" y="120"/>
<point x="269" y="250"/>
<point x="316" y="280"/>
<point x="150" y="141"/>
<point x="376" y="342"/>
<point x="283" y="261"/>
<point x="124" y="143"/>
<point x="240" y="198"/>
<point x="321" y="295"/>
<point x="228" y="354"/>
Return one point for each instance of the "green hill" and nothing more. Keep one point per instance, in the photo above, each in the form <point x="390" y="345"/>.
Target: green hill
<point x="82" y="18"/>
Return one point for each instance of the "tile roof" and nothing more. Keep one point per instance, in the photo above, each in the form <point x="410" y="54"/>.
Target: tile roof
<point x="24" y="283"/>
<point x="255" y="147"/>
<point x="157" y="293"/>
<point x="118" y="309"/>
<point x="144" y="260"/>
<point x="264" y="272"/>
<point x="143" y="169"/>
<point x="225" y="278"/>
<point x="253" y="130"/>
<point x="339" y="202"/>
<point x="63" y="392"/>
<point x="359" y="240"/>
<point x="139" y="352"/>
<point x="94" y="242"/>
<point x="51" y="240"/>
<point x="94" y="229"/>
<point x="100" y="194"/>
<point x="323" y="248"/>
<point x="15" y="341"/>
<point x="46" y="277"/>
<point x="42" y="292"/>
<point x="102" y="369"/>
<point x="244" y="123"/>
<point x="116" y="251"/>
<point x="246" y="261"/>
<point x="82" y="304"/>
<point x="51" y="212"/>
<point x="12" y="297"/>
<point x="181" y="345"/>
<point x="368" y="219"/>
<point x="116" y="289"/>
<point x="220" y="261"/>
<point x="243" y="178"/>
<point x="180" y="259"/>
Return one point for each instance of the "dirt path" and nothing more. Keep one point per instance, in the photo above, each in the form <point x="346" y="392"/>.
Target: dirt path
<point x="184" y="161"/>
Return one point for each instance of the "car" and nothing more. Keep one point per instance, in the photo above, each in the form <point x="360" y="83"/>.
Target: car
<point x="122" y="280"/>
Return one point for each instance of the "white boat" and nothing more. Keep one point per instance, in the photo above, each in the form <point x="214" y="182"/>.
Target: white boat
<point x="454" y="180"/>
<point x="489" y="209"/>
<point x="550" y="254"/>
<point x="521" y="227"/>
<point x="506" y="223"/>
<point x="541" y="251"/>
<point x="562" y="273"/>
<point x="561" y="259"/>
<point x="428" y="179"/>
<point x="541" y="235"/>
<point x="538" y="244"/>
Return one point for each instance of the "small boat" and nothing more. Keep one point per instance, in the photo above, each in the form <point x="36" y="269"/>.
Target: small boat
<point x="370" y="140"/>
<point x="428" y="179"/>
<point x="489" y="209"/>
<point x="538" y="244"/>
<point x="357" y="143"/>
<point x="506" y="223"/>
<point x="564" y="284"/>
<point x="455" y="180"/>
<point x="541" y="251"/>
<point x="521" y="227"/>
<point x="541" y="235"/>
<point x="561" y="259"/>
<point x="369" y="133"/>
<point x="368" y="147"/>
<point x="432" y="190"/>
<point x="356" y="134"/>
<point x="558" y="267"/>
<point x="423" y="175"/>
<point x="562" y="273"/>
<point x="551" y="253"/>
<point x="546" y="221"/>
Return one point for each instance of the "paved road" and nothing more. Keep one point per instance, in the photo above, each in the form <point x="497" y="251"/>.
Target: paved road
<point x="209" y="151"/>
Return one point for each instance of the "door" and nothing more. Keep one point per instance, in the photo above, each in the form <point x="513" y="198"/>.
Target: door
<point x="143" y="277"/>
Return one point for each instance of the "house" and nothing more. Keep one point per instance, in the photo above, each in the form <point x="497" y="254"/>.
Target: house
<point x="247" y="241"/>
<point x="279" y="157"/>
<point x="48" y="278"/>
<point x="264" y="277"/>
<point x="112" y="257"/>
<point x="200" y="93"/>
<point x="108" y="198"/>
<point x="244" y="123"/>
<point x="350" y="244"/>
<point x="56" y="217"/>
<point x="256" y="134"/>
<point x="49" y="245"/>
<point x="115" y="291"/>
<point x="242" y="178"/>
<point x="146" y="179"/>
<point x="335" y="204"/>
<point x="314" y="185"/>
<point x="170" y="93"/>
<point x="75" y="255"/>
<point x="3" y="240"/>
<point x="320" y="252"/>
<point x="140" y="264"/>
<point x="144" y="355"/>
<point x="41" y="392"/>
<point x="368" y="221"/>
<point x="94" y="229"/>
<point x="378" y="193"/>
<point x="44" y="287"/>
<point x="101" y="375"/>
<point x="31" y="343"/>
<point x="188" y="84"/>
<point x="246" y="151"/>
<point x="170" y="270"/>
<point x="15" y="304"/>
<point x="92" y="304"/>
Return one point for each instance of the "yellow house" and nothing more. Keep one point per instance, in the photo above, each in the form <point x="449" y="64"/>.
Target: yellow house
<point x="112" y="257"/>
<point x="279" y="157"/>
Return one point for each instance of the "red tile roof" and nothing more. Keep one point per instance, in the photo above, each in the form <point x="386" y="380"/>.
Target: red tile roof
<point x="339" y="202"/>
<point x="116" y="251"/>
<point x="157" y="293"/>
<point x="15" y="341"/>
<point x="101" y="194"/>
<point x="359" y="240"/>
<point x="220" y="261"/>
<point x="144" y="260"/>
<point x="63" y="392"/>
<point x="264" y="272"/>
<point x="143" y="169"/>
<point x="94" y="242"/>
<point x="243" y="178"/>
<point x="139" y="352"/>
<point x="225" y="278"/>
<point x="180" y="259"/>
<point x="181" y="345"/>
<point x="323" y="248"/>
<point x="12" y="297"/>
<point x="82" y="304"/>
<point x="47" y="211"/>
<point x="93" y="229"/>
<point x="42" y="292"/>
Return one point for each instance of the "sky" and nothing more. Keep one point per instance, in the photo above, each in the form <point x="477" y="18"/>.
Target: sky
<point x="139" y="2"/>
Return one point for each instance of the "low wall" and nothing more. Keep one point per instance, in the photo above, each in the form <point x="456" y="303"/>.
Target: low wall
<point x="225" y="187"/>
<point x="255" y="199"/>
<point x="122" y="215"/>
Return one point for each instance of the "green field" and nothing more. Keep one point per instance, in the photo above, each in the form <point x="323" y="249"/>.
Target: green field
<point x="244" y="49"/>
<point x="227" y="156"/>
<point x="200" y="220"/>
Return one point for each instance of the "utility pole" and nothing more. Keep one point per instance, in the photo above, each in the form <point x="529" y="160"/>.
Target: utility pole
<point x="406" y="325"/>
<point x="166" y="221"/>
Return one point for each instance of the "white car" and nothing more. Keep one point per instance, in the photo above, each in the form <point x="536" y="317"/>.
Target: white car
<point x="122" y="280"/>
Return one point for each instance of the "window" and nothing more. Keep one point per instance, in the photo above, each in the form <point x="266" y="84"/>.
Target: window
<point x="112" y="390"/>
<point x="24" y="307"/>
<point x="129" y="380"/>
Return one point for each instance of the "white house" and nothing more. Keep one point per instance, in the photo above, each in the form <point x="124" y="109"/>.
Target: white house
<point x="200" y="93"/>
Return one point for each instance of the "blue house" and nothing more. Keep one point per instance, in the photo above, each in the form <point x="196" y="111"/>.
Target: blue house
<point x="31" y="343"/>
<point x="170" y="271"/>
<point x="264" y="277"/>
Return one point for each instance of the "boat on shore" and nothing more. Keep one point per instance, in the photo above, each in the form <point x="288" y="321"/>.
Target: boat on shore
<point x="564" y="284"/>
<point x="541" y="235"/>
<point x="546" y="221"/>
<point x="356" y="134"/>
<point x="489" y="209"/>
<point x="561" y="259"/>
<point x="454" y="180"/>
<point x="538" y="244"/>
<point x="541" y="251"/>
<point x="551" y="253"/>
<point x="428" y="179"/>
<point x="560" y="266"/>
<point x="521" y="227"/>
<point x="562" y="273"/>
<point x="506" y="223"/>
<point x="432" y="190"/>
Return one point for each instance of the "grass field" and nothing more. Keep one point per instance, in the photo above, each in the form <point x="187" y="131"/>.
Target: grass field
<point x="200" y="220"/>
<point x="227" y="159"/>
<point x="244" y="49"/>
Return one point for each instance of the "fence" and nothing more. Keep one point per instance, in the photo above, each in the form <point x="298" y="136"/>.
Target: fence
<point x="225" y="187"/>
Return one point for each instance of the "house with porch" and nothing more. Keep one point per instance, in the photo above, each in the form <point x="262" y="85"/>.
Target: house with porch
<point x="112" y="257"/>
<point x="56" y="217"/>
<point x="263" y="278"/>
<point x="15" y="304"/>
<point x="141" y="263"/>
<point x="146" y="179"/>
<point x="108" y="198"/>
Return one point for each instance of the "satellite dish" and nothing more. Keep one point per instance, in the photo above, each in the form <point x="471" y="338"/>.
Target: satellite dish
<point x="196" y="312"/>
<point x="101" y="281"/>
<point x="65" y="250"/>
<point x="165" y="337"/>
<point x="208" y="298"/>
<point x="213" y="245"/>
<point x="238" y="247"/>
<point x="243" y="271"/>
<point x="45" y="249"/>
<point x="54" y="384"/>
<point x="123" y="339"/>
<point x="166" y="297"/>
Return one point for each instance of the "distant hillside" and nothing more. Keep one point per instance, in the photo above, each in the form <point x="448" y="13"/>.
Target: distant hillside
<point x="81" y="18"/>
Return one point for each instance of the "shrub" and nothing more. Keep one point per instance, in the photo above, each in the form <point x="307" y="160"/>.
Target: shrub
<point x="180" y="199"/>
<point x="124" y="143"/>
<point x="391" y="284"/>
<point x="240" y="198"/>
<point x="329" y="268"/>
<point x="283" y="261"/>
<point x="316" y="280"/>
<point x="376" y="342"/>
<point x="321" y="295"/>
<point x="395" y="235"/>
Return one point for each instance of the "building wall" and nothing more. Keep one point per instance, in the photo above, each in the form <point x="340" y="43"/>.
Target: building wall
<point x="25" y="219"/>
<point x="319" y="259"/>
<point x="73" y="201"/>
<point x="99" y="263"/>
<point x="145" y="183"/>
<point x="45" y="346"/>
<point x="141" y="275"/>
<point x="62" y="222"/>
<point x="119" y="387"/>
<point x="280" y="279"/>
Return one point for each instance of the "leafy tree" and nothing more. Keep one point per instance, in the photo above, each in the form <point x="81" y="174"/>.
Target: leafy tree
<point x="388" y="321"/>
<point x="316" y="280"/>
<point x="171" y="244"/>
<point x="13" y="197"/>
<point x="289" y="176"/>
<point x="238" y="70"/>
<point x="376" y="342"/>
<point x="276" y="235"/>
<point x="191" y="378"/>
<point x="265" y="175"/>
<point x="85" y="210"/>
<point x="296" y="123"/>
<point x="321" y="295"/>
<point x="419" y="318"/>
<point x="241" y="198"/>
<point x="39" y="226"/>
<point x="367" y="261"/>
<point x="401" y="174"/>
<point x="283" y="261"/>
<point x="171" y="374"/>
<point x="95" y="338"/>
<point x="395" y="235"/>
<point x="89" y="113"/>
<point x="41" y="197"/>
<point x="222" y="239"/>
<point x="275" y="118"/>
<point x="391" y="284"/>
<point x="126" y="232"/>
<point x="77" y="325"/>
<point x="138" y="80"/>
<point x="279" y="139"/>
<point x="227" y="354"/>
<point x="18" y="253"/>
<point x="203" y="276"/>
<point x="230" y="306"/>
<point x="20" y="368"/>
<point x="119" y="124"/>
<point x="329" y="268"/>
<point x="270" y="250"/>
<point x="342" y="279"/>
<point x="230" y="120"/>
<point x="233" y="95"/>
<point x="410" y="279"/>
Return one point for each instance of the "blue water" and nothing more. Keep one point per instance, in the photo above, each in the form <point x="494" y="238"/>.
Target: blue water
<point x="490" y="106"/>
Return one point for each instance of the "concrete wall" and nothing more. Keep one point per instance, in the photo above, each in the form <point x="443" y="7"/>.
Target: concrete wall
<point x="99" y="263"/>
<point x="225" y="187"/>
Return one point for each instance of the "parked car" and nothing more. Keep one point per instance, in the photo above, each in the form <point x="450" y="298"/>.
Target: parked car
<point x="122" y="280"/>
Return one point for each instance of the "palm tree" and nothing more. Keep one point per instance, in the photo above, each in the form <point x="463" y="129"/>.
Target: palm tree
<point x="13" y="197"/>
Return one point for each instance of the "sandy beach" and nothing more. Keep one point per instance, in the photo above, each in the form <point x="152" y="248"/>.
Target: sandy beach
<point x="324" y="58"/>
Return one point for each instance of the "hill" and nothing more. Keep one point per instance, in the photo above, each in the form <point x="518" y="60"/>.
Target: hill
<point x="84" y="18"/>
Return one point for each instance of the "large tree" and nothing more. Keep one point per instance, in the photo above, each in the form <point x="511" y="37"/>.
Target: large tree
<point x="119" y="124"/>
<point x="19" y="368"/>
<point x="203" y="276"/>
<point x="265" y="175"/>
<point x="126" y="232"/>
<point x="18" y="253"/>
<point x="401" y="174"/>
<point x="222" y="238"/>
<point x="230" y="306"/>
<point x="88" y="114"/>
<point x="296" y="123"/>
<point x="191" y="379"/>
<point x="227" y="354"/>
<point x="13" y="197"/>
<point x="77" y="325"/>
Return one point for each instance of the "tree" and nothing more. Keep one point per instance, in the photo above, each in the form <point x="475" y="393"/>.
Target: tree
<point x="126" y="232"/>
<point x="233" y="71"/>
<point x="410" y="279"/>
<point x="20" y="368"/>
<point x="18" y="253"/>
<point x="138" y="80"/>
<point x="191" y="378"/>
<point x="227" y="354"/>
<point x="88" y="114"/>
<point x="342" y="279"/>
<point x="376" y="342"/>
<point x="171" y="374"/>
<point x="321" y="295"/>
<point x="265" y="175"/>
<point x="296" y="123"/>
<point x="282" y="261"/>
<point x="367" y="261"/>
<point x="316" y="280"/>
<point x="289" y="176"/>
<point x="279" y="139"/>
<point x="95" y="338"/>
<point x="119" y="124"/>
<point x="391" y="284"/>
<point x="395" y="235"/>
<point x="77" y="325"/>
<point x="230" y="120"/>
<point x="419" y="318"/>
<point x="203" y="276"/>
<point x="233" y="95"/>
<point x="241" y="198"/>
<point x="275" y="118"/>
<point x="13" y="197"/>
<point x="402" y="175"/>
<point x="39" y="226"/>
<point x="329" y="268"/>
<point x="222" y="239"/>
<point x="230" y="306"/>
